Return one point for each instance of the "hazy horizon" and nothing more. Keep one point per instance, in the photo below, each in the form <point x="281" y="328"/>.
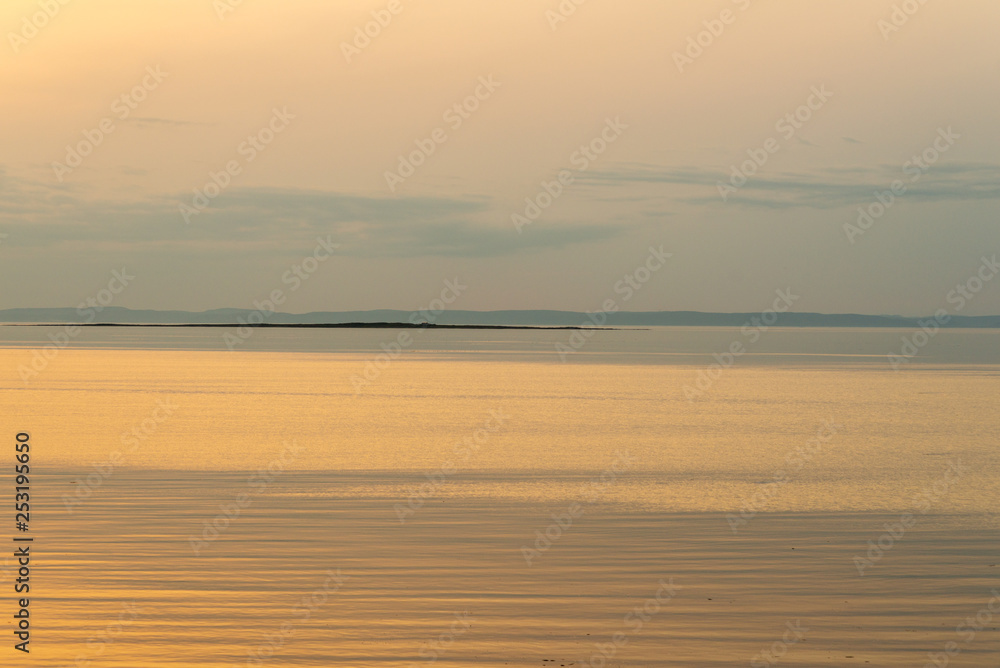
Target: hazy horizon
<point x="748" y="312"/>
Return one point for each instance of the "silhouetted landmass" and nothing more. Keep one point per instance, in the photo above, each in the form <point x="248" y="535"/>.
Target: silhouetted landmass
<point x="337" y="325"/>
<point x="390" y="318"/>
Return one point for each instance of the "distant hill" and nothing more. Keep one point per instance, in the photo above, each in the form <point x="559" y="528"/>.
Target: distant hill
<point x="115" y="314"/>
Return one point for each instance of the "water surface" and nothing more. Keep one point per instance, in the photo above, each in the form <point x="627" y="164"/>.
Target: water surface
<point x="144" y="438"/>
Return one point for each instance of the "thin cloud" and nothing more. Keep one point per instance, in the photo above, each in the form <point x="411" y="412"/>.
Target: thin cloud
<point x="819" y="189"/>
<point x="148" y="120"/>
<point x="273" y="220"/>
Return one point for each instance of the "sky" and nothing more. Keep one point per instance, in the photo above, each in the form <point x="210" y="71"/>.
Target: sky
<point x="206" y="148"/>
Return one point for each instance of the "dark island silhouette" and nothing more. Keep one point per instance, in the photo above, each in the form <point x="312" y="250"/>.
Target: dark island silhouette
<point x="312" y="325"/>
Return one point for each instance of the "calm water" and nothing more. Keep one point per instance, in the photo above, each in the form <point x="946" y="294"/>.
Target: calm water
<point x="387" y="522"/>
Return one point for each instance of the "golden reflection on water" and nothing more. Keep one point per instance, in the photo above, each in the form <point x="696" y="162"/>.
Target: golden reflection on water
<point x="171" y="439"/>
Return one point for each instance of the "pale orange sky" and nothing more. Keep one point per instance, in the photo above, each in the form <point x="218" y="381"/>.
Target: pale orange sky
<point x="324" y="174"/>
